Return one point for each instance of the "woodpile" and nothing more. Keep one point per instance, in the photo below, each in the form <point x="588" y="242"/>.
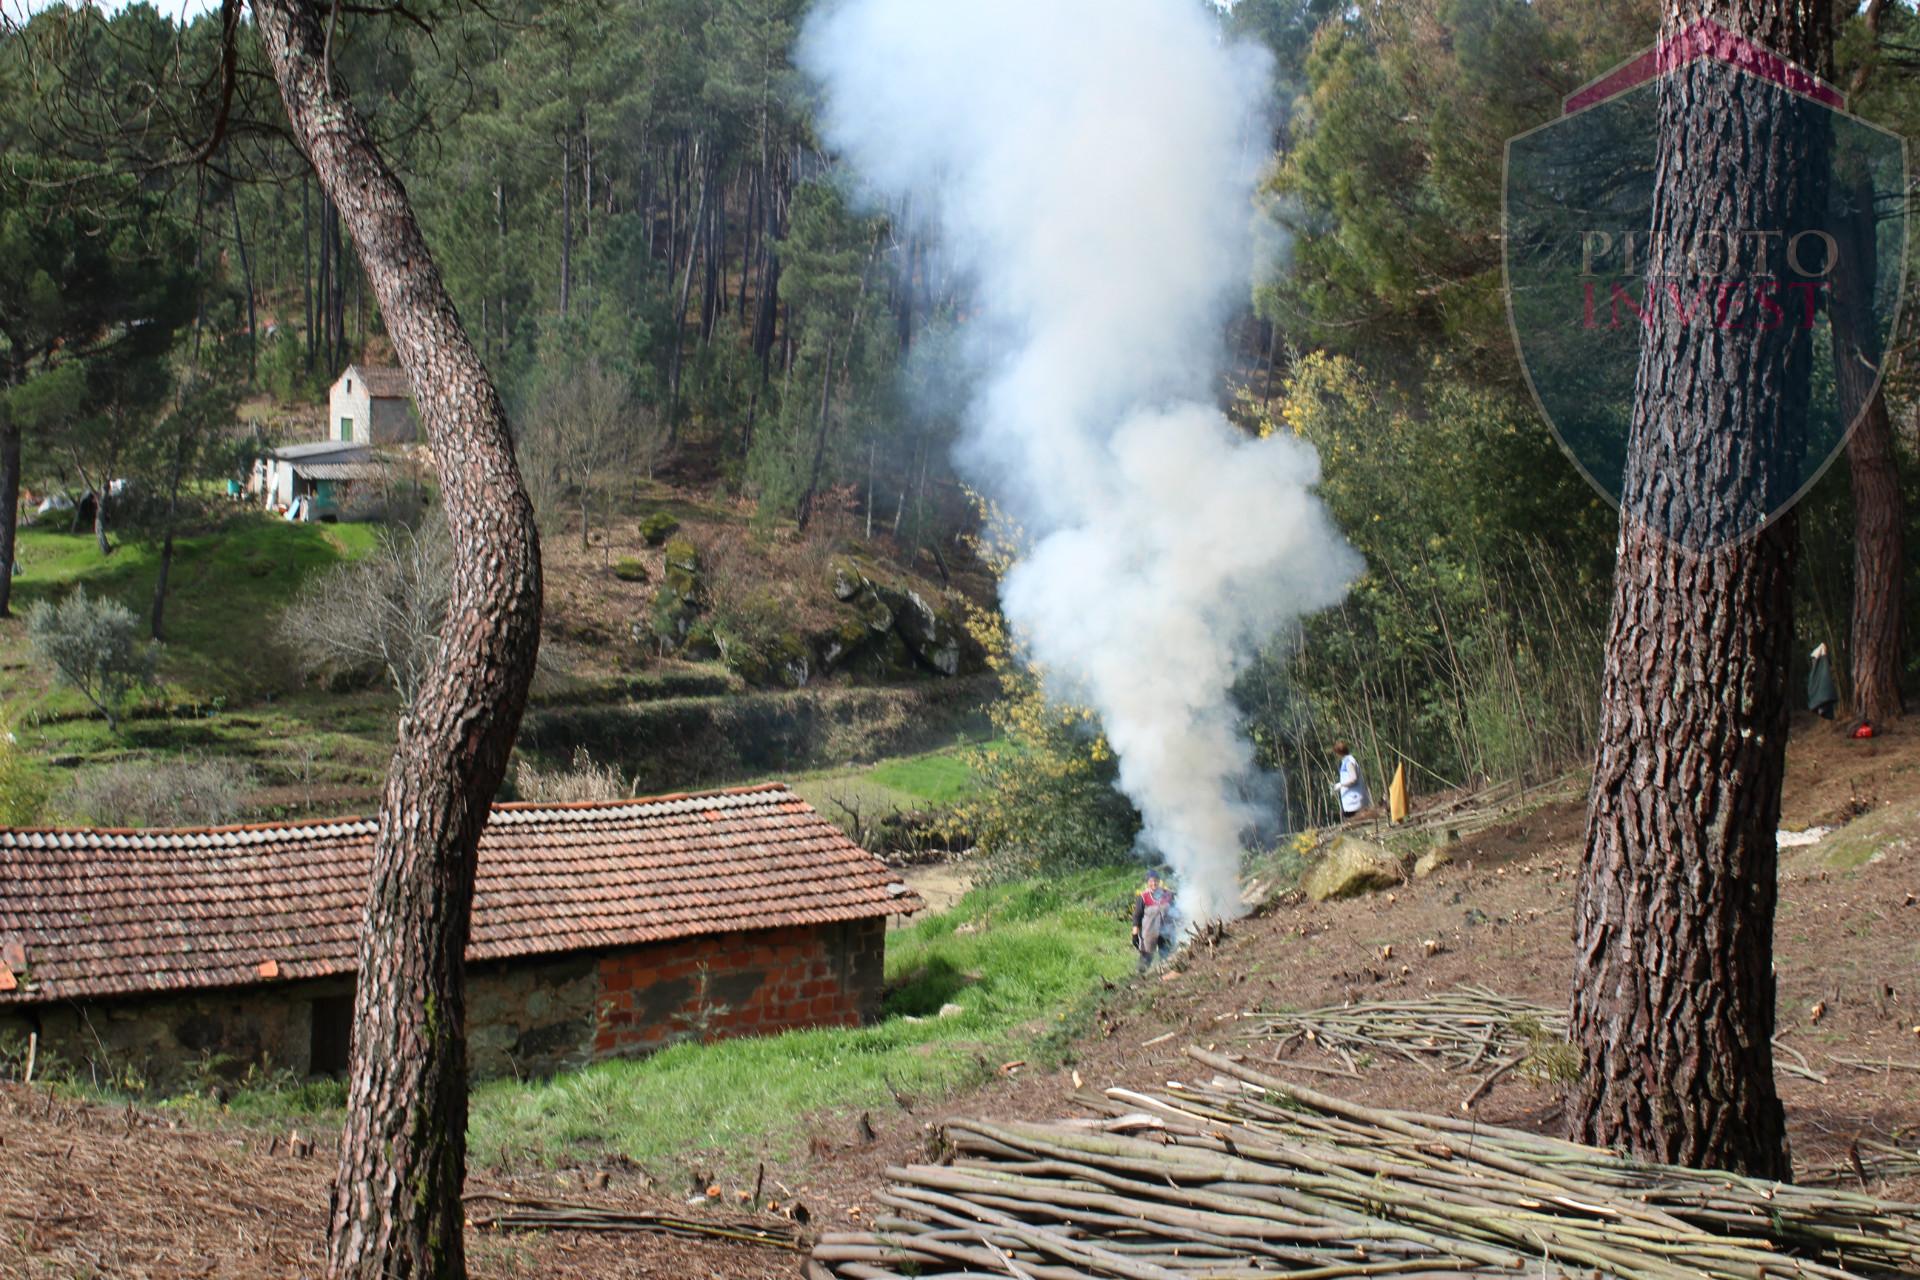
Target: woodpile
<point x="1247" y="1176"/>
<point x="1466" y="1029"/>
<point x="488" y="1211"/>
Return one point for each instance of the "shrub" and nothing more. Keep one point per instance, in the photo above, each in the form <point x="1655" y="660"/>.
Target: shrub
<point x="207" y="792"/>
<point x="95" y="646"/>
<point x="1046" y="802"/>
<point x="377" y="617"/>
<point x="582" y="780"/>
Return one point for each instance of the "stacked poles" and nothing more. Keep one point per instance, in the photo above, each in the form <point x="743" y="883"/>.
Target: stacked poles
<point x="1248" y="1177"/>
<point x="490" y="1212"/>
<point x="1465" y="1030"/>
<point x="1459" y="1030"/>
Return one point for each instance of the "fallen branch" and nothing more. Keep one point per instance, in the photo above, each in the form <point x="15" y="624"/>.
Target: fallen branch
<point x="525" y="1214"/>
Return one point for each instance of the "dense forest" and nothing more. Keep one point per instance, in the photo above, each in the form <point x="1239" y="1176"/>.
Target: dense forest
<point x="635" y="193"/>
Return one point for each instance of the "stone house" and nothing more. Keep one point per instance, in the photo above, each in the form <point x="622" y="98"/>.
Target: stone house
<point x="599" y="930"/>
<point x="371" y="405"/>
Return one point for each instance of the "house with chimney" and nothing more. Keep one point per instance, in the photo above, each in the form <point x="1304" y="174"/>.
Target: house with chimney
<point x="602" y="929"/>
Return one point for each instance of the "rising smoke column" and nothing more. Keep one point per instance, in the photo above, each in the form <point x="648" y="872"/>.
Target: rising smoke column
<point x="1090" y="166"/>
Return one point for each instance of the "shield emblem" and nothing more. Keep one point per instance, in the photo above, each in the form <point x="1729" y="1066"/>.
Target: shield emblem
<point x="1586" y="285"/>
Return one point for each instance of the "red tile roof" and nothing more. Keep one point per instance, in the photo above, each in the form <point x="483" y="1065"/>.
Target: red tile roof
<point x="95" y="913"/>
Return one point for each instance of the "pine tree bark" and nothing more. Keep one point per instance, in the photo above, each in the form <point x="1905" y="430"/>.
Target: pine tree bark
<point x="1673" y="998"/>
<point x="1878" y="550"/>
<point x="1879" y="565"/>
<point x="396" y="1209"/>
<point x="9" y="507"/>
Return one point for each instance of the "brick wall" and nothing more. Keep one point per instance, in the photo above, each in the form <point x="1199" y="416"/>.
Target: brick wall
<point x="753" y="983"/>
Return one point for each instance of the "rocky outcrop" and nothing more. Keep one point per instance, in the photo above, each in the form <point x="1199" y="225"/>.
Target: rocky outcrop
<point x="887" y="632"/>
<point x="903" y="630"/>
<point x="1351" y="867"/>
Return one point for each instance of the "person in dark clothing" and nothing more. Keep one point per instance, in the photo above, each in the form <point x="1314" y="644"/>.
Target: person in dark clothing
<point x="1822" y="697"/>
<point x="1153" y="922"/>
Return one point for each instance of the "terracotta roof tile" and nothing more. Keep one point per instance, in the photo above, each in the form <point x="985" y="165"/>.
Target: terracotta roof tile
<point x="113" y="912"/>
<point x="384" y="381"/>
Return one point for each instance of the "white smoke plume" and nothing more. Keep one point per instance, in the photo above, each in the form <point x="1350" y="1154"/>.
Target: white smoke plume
<point x="1089" y="165"/>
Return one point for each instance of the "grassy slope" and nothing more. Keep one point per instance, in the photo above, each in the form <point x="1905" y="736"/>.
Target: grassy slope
<point x="226" y="686"/>
<point x="930" y="780"/>
<point x="1033" y="958"/>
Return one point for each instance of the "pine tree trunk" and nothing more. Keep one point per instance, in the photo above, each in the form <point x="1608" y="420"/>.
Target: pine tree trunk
<point x="1673" y="999"/>
<point x="158" y="617"/>
<point x="396" y="1208"/>
<point x="1878" y="550"/>
<point x="1879" y="565"/>
<point x="9" y="507"/>
<point x="566" y="222"/>
<point x="246" y="277"/>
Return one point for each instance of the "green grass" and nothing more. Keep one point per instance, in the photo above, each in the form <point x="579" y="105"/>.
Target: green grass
<point x="1024" y="975"/>
<point x="226" y="687"/>
<point x="225" y="595"/>
<point x="932" y="780"/>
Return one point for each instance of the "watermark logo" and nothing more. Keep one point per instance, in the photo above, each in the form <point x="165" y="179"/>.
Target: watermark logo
<point x="1789" y="291"/>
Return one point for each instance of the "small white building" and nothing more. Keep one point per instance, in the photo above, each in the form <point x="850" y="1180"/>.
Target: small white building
<point x="371" y="406"/>
<point x="312" y="481"/>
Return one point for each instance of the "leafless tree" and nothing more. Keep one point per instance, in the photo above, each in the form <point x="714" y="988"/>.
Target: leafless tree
<point x="382" y="615"/>
<point x="585" y="422"/>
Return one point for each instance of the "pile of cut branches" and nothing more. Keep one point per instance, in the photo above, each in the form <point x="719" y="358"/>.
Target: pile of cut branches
<point x="488" y="1211"/>
<point x="1248" y="1176"/>
<point x="1465" y="1029"/>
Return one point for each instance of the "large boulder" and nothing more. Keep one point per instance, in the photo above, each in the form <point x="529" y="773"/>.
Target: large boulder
<point x="1351" y="867"/>
<point x="933" y="639"/>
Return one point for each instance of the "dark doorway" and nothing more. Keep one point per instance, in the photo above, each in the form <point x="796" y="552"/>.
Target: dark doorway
<point x="332" y="1037"/>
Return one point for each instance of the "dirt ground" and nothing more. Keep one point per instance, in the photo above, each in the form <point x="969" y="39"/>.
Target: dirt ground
<point x="100" y="1191"/>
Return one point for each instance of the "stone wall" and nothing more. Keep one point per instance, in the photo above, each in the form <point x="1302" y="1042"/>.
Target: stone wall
<point x="530" y="1017"/>
<point x="169" y="1042"/>
<point x="525" y="1017"/>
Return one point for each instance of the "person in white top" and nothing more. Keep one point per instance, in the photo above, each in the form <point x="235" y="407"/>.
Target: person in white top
<point x="1349" y="786"/>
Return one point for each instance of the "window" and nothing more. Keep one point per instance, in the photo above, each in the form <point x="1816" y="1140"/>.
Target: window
<point x="349" y="386"/>
<point x="332" y="1035"/>
<point x="346" y="429"/>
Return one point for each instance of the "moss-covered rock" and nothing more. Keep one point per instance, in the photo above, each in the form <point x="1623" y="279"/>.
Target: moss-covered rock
<point x="844" y="643"/>
<point x="680" y="599"/>
<point x="791" y="659"/>
<point x="1351" y="867"/>
<point x="846" y="578"/>
<point x="933" y="639"/>
<point x="682" y="573"/>
<point x="631" y="570"/>
<point x="658" y="527"/>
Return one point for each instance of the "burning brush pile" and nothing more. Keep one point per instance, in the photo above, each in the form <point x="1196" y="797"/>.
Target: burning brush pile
<point x="1248" y="1176"/>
